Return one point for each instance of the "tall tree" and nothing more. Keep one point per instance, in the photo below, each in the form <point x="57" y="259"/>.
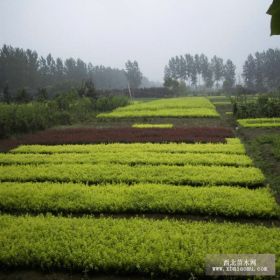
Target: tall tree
<point x="249" y="71"/>
<point x="60" y="71"/>
<point x="206" y="71"/>
<point x="260" y="71"/>
<point x="218" y="67"/>
<point x="198" y="67"/>
<point x="229" y="75"/>
<point x="7" y="98"/>
<point x="133" y="73"/>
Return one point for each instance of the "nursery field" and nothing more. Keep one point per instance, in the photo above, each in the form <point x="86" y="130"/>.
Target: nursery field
<point x="216" y="179"/>
<point x="143" y="200"/>
<point x="173" y="107"/>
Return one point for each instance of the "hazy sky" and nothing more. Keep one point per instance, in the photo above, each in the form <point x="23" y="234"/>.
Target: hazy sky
<point x="109" y="32"/>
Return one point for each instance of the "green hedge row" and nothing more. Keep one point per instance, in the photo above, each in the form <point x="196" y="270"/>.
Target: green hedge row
<point x="127" y="157"/>
<point x="140" y="198"/>
<point x="232" y="147"/>
<point x="164" y="247"/>
<point x="108" y="173"/>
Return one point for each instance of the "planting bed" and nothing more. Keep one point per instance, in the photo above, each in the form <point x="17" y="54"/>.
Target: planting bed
<point x="165" y="247"/>
<point x="173" y="107"/>
<point x="126" y="135"/>
<point x="143" y="198"/>
<point x="260" y="122"/>
<point x="152" y="125"/>
<point x="107" y="173"/>
<point x="128" y="157"/>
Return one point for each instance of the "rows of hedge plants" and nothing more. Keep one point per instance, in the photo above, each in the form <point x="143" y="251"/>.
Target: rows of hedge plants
<point x="108" y="173"/>
<point x="162" y="113"/>
<point x="152" y="247"/>
<point x="127" y="157"/>
<point x="259" y="122"/>
<point x="172" y="103"/>
<point x="174" y="107"/>
<point x="233" y="146"/>
<point x="127" y="135"/>
<point x="152" y="125"/>
<point x="143" y="198"/>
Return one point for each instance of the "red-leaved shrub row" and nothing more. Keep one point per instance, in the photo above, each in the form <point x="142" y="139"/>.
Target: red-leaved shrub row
<point x="122" y="135"/>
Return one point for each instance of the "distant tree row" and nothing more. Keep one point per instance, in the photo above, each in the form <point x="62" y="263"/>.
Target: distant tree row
<point x="21" y="68"/>
<point x="261" y="72"/>
<point x="199" y="70"/>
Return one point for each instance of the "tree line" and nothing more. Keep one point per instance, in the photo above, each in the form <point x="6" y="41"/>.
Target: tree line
<point x="261" y="72"/>
<point x="200" y="71"/>
<point x="25" y="69"/>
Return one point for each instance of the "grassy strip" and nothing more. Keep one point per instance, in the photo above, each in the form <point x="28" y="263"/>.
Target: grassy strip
<point x="168" y="113"/>
<point x="142" y="198"/>
<point x="115" y="173"/>
<point x="260" y="122"/>
<point x="233" y="147"/>
<point x="265" y="150"/>
<point x="273" y="140"/>
<point x="172" y="248"/>
<point x="127" y="157"/>
<point x="152" y="125"/>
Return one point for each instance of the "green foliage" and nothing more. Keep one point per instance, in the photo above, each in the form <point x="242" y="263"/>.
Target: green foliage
<point x="42" y="95"/>
<point x="170" y="83"/>
<point x="65" y="109"/>
<point x="273" y="140"/>
<point x="173" y="107"/>
<point x="25" y="117"/>
<point x="261" y="71"/>
<point x="165" y="247"/>
<point x="233" y="146"/>
<point x="103" y="104"/>
<point x="65" y="100"/>
<point x="152" y="125"/>
<point x="107" y="173"/>
<point x="130" y="157"/>
<point x="265" y="150"/>
<point x="193" y="69"/>
<point x="260" y="107"/>
<point x="87" y="90"/>
<point x="274" y="11"/>
<point x="22" y="96"/>
<point x="25" y="68"/>
<point x="133" y="74"/>
<point x="260" y="122"/>
<point x="141" y="198"/>
<point x="7" y="98"/>
<point x="222" y="103"/>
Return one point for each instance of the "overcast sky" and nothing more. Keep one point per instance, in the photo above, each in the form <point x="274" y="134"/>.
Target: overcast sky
<point x="110" y="32"/>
